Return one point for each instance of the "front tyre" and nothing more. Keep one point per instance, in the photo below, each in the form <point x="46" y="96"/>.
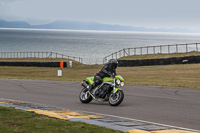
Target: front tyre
<point x="116" y="98"/>
<point x="84" y="96"/>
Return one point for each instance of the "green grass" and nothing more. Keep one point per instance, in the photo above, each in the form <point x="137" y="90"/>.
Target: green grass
<point x="186" y="76"/>
<point x="159" y="56"/>
<point x="17" y="121"/>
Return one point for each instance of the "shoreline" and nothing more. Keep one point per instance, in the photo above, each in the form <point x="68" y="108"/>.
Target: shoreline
<point x="104" y="31"/>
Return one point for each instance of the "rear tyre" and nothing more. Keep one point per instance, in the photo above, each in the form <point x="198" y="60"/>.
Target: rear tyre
<point x="116" y="98"/>
<point x="84" y="96"/>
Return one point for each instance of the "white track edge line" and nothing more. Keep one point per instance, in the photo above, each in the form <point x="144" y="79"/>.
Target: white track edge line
<point x="182" y="128"/>
<point x="144" y="121"/>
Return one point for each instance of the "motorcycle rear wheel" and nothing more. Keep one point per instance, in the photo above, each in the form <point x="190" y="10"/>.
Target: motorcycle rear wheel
<point x="116" y="98"/>
<point x="84" y="96"/>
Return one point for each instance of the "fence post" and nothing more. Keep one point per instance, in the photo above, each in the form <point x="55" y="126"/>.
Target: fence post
<point x="176" y="48"/>
<point x="160" y="49"/>
<point x="129" y="51"/>
<point x="154" y="50"/>
<point x="168" y="49"/>
<point x="141" y="50"/>
<point x="134" y="51"/>
<point x="51" y="55"/>
<point x="186" y="48"/>
<point x="147" y="50"/>
<point x="197" y="47"/>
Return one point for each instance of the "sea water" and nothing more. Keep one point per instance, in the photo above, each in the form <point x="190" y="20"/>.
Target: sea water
<point x="92" y="46"/>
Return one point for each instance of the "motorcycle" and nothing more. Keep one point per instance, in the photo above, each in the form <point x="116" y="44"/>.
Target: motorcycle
<point x="107" y="91"/>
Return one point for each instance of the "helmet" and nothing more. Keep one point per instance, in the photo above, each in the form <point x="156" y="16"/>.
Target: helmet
<point x="113" y="62"/>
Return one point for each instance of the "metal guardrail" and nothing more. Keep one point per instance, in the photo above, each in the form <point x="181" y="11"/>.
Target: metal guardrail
<point x="38" y="55"/>
<point x="160" y="49"/>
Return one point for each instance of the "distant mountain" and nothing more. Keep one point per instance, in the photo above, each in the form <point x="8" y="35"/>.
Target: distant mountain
<point x="14" y="24"/>
<point x="82" y="25"/>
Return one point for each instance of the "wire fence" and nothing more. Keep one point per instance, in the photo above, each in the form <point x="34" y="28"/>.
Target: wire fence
<point x="160" y="49"/>
<point x="38" y="55"/>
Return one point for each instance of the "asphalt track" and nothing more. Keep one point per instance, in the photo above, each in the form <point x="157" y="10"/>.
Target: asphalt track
<point x="172" y="106"/>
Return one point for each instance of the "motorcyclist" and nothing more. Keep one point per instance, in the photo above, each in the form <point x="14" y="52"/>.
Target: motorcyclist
<point x="108" y="70"/>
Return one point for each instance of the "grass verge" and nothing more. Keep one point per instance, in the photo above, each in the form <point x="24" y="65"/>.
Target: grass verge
<point x="186" y="76"/>
<point x="159" y="56"/>
<point x="17" y="121"/>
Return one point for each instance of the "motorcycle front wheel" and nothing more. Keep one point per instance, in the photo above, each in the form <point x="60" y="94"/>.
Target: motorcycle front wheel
<point x="84" y="96"/>
<point x="116" y="98"/>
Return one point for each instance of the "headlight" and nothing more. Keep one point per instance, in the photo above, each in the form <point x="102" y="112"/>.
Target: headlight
<point x="118" y="82"/>
<point x="122" y="83"/>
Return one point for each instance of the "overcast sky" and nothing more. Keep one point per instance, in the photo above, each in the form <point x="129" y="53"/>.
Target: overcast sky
<point x="140" y="13"/>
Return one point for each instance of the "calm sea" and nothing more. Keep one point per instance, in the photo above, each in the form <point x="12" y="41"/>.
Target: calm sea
<point x="92" y="46"/>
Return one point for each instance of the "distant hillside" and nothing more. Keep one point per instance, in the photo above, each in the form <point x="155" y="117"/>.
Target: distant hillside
<point x="14" y="24"/>
<point x="81" y="25"/>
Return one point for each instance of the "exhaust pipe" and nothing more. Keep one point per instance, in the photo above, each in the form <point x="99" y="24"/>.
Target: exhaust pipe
<point x="85" y="85"/>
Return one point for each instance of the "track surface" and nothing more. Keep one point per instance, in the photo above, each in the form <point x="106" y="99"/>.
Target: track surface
<point x="172" y="106"/>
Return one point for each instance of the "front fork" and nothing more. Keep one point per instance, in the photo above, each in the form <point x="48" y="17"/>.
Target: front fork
<point x="114" y="88"/>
